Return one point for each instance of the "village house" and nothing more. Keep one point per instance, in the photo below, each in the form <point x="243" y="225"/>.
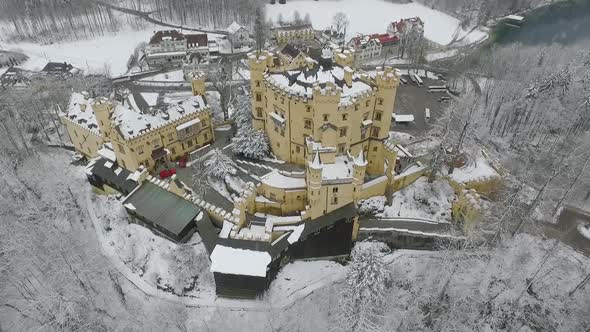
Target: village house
<point x="294" y="33"/>
<point x="170" y="48"/>
<point x="404" y="26"/>
<point x="238" y="35"/>
<point x="147" y="138"/>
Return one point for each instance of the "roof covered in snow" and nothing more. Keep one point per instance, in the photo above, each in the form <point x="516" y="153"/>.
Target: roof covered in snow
<point x="302" y="82"/>
<point x="236" y="261"/>
<point x="128" y="118"/>
<point x="80" y="112"/>
<point x="277" y="180"/>
<point x="234" y="27"/>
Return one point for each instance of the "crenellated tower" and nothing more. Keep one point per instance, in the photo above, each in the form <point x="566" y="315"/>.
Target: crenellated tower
<point x="359" y="167"/>
<point x="316" y="201"/>
<point x="386" y="82"/>
<point x="259" y="63"/>
<point x="103" y="109"/>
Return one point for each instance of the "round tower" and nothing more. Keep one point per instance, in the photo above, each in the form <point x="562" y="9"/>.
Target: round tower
<point x="314" y="186"/>
<point x="359" y="166"/>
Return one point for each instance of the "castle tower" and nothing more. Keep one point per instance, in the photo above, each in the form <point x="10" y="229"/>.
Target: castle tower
<point x="359" y="167"/>
<point x="259" y="62"/>
<point x="344" y="57"/>
<point x="387" y="82"/>
<point x="316" y="200"/>
<point x="198" y="83"/>
<point x="103" y="109"/>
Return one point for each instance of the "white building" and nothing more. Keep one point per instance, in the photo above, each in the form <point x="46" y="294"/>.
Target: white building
<point x="365" y="47"/>
<point x="238" y="35"/>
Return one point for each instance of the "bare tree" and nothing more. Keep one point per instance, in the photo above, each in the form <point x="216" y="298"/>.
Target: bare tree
<point x="340" y="22"/>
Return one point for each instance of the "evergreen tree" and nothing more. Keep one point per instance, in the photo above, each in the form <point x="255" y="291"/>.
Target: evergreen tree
<point x="260" y="28"/>
<point x="219" y="165"/>
<point x="362" y="299"/>
<point x="250" y="143"/>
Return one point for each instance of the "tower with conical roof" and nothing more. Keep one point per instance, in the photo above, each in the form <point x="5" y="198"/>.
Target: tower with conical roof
<point x="315" y="199"/>
<point x="359" y="167"/>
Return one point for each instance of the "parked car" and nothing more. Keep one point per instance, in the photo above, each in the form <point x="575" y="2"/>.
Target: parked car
<point x="166" y="173"/>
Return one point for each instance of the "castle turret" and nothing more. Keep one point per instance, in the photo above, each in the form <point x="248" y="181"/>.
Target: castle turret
<point x="316" y="201"/>
<point x="359" y="166"/>
<point x="198" y="83"/>
<point x="103" y="109"/>
<point x="344" y="57"/>
<point x="386" y="81"/>
<point x="259" y="63"/>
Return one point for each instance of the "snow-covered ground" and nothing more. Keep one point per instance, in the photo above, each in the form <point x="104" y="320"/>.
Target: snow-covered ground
<point x="372" y="16"/>
<point x="159" y="262"/>
<point x="441" y="55"/>
<point x="171" y="76"/>
<point x="479" y="169"/>
<point x="90" y="55"/>
<point x="422" y="200"/>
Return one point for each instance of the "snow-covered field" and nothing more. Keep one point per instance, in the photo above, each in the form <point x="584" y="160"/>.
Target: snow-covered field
<point x="89" y="55"/>
<point x="151" y="98"/>
<point x="372" y="16"/>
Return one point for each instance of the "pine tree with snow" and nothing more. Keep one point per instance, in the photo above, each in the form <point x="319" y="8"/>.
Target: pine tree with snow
<point x="242" y="115"/>
<point x="219" y="165"/>
<point x="250" y="143"/>
<point x="362" y="300"/>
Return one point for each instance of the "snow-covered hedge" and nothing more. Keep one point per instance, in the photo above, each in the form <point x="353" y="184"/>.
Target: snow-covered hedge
<point x="372" y="206"/>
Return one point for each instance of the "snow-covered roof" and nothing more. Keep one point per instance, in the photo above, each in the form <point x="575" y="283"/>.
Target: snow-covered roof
<point x="295" y="232"/>
<point x="340" y="170"/>
<point x="277" y="180"/>
<point x="515" y="17"/>
<point x="403" y="117"/>
<point x="236" y="261"/>
<point x="132" y="124"/>
<point x="302" y="82"/>
<point x="106" y="151"/>
<point x="188" y="124"/>
<point x="234" y="27"/>
<point x="80" y="112"/>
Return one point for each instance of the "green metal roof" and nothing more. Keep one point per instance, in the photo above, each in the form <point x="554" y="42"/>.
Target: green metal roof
<point x="162" y="207"/>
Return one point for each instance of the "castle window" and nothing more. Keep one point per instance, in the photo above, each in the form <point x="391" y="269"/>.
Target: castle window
<point x="343" y="131"/>
<point x="375" y="148"/>
<point x="367" y="103"/>
<point x="308" y="108"/>
<point x="259" y="112"/>
<point x="170" y="137"/>
<point x="377" y="116"/>
<point x="365" y="116"/>
<point x="380" y="101"/>
<point x="121" y="148"/>
<point x="307" y="124"/>
<point x="326" y="117"/>
<point x="258" y="97"/>
<point x="156" y="143"/>
<point x="335" y="190"/>
<point x="344" y="117"/>
<point x="298" y="149"/>
<point x="257" y="84"/>
<point x="140" y="149"/>
<point x="334" y="200"/>
<point x="276" y="96"/>
<point x="375" y="131"/>
<point x="282" y="100"/>
<point x="341" y="148"/>
<point x="356" y="107"/>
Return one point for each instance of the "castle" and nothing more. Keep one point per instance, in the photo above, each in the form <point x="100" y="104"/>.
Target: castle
<point x="148" y="138"/>
<point x="331" y="119"/>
